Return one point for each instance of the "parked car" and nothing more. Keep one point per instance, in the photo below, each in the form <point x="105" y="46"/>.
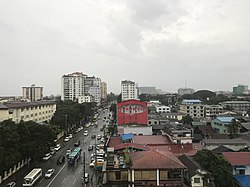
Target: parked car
<point x="49" y="173"/>
<point x="93" y="136"/>
<point x="47" y="156"/>
<point x="66" y="139"/>
<point x="60" y="160"/>
<point x="52" y="151"/>
<point x="57" y="147"/>
<point x="11" y="184"/>
<point x="92" y="164"/>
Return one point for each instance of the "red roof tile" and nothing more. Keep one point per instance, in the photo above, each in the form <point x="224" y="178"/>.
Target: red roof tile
<point x="131" y="145"/>
<point x="152" y="139"/>
<point x="177" y="149"/>
<point x="237" y="158"/>
<point x="155" y="160"/>
<point x="114" y="141"/>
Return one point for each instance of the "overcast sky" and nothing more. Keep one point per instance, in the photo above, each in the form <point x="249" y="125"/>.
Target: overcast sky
<point x="161" y="43"/>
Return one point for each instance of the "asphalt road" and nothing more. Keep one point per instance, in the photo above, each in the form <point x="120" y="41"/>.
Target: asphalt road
<point x="67" y="175"/>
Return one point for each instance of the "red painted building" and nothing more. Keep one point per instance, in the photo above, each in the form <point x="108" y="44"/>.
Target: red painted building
<point x="132" y="112"/>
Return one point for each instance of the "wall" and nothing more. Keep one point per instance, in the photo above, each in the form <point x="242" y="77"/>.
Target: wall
<point x="132" y="112"/>
<point x="196" y="184"/>
<point x="4" y="115"/>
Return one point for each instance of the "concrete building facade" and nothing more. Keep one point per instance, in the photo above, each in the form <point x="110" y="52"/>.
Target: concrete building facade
<point x="40" y="112"/>
<point x="193" y="108"/>
<point x="33" y="93"/>
<point x="129" y="90"/>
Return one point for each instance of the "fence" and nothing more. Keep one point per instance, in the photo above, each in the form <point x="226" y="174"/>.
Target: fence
<point x="13" y="170"/>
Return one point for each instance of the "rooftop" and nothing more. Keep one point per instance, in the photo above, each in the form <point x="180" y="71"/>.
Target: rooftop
<point x="225" y="119"/>
<point x="27" y="104"/>
<point x="155" y="160"/>
<point x="152" y="139"/>
<point x="237" y="158"/>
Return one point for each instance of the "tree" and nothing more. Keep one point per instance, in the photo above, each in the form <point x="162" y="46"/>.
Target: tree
<point x="217" y="166"/>
<point x="233" y="128"/>
<point x="187" y="120"/>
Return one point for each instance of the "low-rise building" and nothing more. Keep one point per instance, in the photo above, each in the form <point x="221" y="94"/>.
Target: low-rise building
<point x="192" y="107"/>
<point x="240" y="167"/>
<point x="40" y="112"/>
<point x="213" y="110"/>
<point x="195" y="175"/>
<point x="236" y="105"/>
<point x="163" y="109"/>
<point x="180" y="135"/>
<point x="220" y="124"/>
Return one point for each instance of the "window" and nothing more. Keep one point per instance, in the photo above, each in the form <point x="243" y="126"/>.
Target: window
<point x="242" y="172"/>
<point x="196" y="180"/>
<point x="118" y="175"/>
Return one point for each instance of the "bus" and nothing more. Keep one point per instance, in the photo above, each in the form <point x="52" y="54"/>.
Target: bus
<point x="32" y="177"/>
<point x="74" y="156"/>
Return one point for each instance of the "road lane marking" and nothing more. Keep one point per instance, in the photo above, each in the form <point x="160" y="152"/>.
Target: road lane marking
<point x="56" y="175"/>
<point x="41" y="180"/>
<point x="64" y="180"/>
<point x="74" y="181"/>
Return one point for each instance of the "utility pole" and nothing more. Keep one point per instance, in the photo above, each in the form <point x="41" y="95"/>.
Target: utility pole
<point x="84" y="169"/>
<point x="66" y="124"/>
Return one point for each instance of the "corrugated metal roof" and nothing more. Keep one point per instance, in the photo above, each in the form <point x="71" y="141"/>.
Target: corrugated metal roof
<point x="191" y="100"/>
<point x="238" y="158"/>
<point x="127" y="136"/>
<point x="225" y="119"/>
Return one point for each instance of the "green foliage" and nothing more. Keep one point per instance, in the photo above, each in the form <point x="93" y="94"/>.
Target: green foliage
<point x="233" y="128"/>
<point x="111" y="97"/>
<point x="217" y="166"/>
<point x="113" y="110"/>
<point x="69" y="113"/>
<point x="207" y="97"/>
<point x="187" y="120"/>
<point x="25" y="139"/>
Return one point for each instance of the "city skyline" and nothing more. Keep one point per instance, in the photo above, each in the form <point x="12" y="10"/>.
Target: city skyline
<point x="165" y="44"/>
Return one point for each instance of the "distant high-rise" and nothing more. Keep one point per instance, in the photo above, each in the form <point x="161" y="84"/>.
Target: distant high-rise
<point x="129" y="90"/>
<point x="183" y="91"/>
<point x="103" y="91"/>
<point x="240" y="89"/>
<point x="33" y="93"/>
<point x="73" y="86"/>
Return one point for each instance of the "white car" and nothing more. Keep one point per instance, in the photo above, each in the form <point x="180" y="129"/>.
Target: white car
<point x="92" y="164"/>
<point x="47" y="156"/>
<point x="49" y="173"/>
<point x="85" y="133"/>
<point x="70" y="136"/>
<point x="57" y="147"/>
<point x="66" y="139"/>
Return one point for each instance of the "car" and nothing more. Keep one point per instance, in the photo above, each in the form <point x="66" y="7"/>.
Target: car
<point x="57" y="147"/>
<point x="52" y="151"/>
<point x="77" y="143"/>
<point x="70" y="136"/>
<point x="68" y="151"/>
<point x="47" y="156"/>
<point x="99" y="137"/>
<point x="49" y="173"/>
<point x="60" y="160"/>
<point x="86" y="178"/>
<point x="102" y="140"/>
<point x="66" y="139"/>
<point x="93" y="136"/>
<point x="85" y="133"/>
<point x="90" y="148"/>
<point x="11" y="184"/>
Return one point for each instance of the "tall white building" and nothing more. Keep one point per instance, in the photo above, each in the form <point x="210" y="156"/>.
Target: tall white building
<point x="129" y="90"/>
<point x="33" y="93"/>
<point x="73" y="86"/>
